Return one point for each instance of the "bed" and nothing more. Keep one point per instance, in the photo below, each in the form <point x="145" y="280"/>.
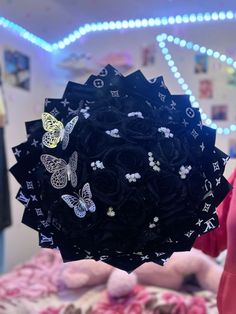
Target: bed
<point x="33" y="288"/>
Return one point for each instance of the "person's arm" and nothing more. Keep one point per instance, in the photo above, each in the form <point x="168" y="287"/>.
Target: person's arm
<point x="214" y="242"/>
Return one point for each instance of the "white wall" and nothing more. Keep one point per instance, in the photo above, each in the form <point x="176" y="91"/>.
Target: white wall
<point x="21" y="242"/>
<point x="215" y="35"/>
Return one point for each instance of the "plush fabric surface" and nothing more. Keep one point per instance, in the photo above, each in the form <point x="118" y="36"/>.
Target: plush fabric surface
<point x="147" y="300"/>
<point x="44" y="285"/>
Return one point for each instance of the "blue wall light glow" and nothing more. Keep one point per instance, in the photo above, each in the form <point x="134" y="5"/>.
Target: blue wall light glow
<point x="117" y="25"/>
<point x="161" y="39"/>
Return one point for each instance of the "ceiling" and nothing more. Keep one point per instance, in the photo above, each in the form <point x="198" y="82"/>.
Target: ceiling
<point x="54" y="19"/>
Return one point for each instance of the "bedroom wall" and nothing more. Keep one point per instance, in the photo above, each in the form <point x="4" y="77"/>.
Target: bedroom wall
<point x="49" y="80"/>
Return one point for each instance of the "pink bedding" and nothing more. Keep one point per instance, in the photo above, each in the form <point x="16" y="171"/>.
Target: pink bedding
<point x="35" y="288"/>
<point x="144" y="300"/>
<point x="39" y="277"/>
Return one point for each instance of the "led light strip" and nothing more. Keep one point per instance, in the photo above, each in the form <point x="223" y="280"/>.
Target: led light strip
<point x="200" y="49"/>
<point x="116" y="25"/>
<point x="25" y="34"/>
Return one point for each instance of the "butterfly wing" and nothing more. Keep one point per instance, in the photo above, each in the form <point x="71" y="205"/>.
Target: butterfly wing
<point x="57" y="167"/>
<point x="50" y="123"/>
<point x="90" y="205"/>
<point x="81" y="213"/>
<point x="70" y="125"/>
<point x="73" y="161"/>
<point x="87" y="197"/>
<point x="68" y="129"/>
<point x="51" y="139"/>
<point x="71" y="201"/>
<point x="74" y="180"/>
<point x="73" y="165"/>
<point x="52" y="163"/>
<point x="53" y="128"/>
<point x="86" y="191"/>
<point x="59" y="179"/>
<point x="65" y="140"/>
<point x="74" y="202"/>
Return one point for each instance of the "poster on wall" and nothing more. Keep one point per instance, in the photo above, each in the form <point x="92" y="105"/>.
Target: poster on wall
<point x="78" y="64"/>
<point x="148" y="55"/>
<point x="231" y="76"/>
<point x="16" y="69"/>
<point x="232" y="148"/>
<point x="201" y="63"/>
<point x="205" y="89"/>
<point x="122" y="60"/>
<point x="219" y="112"/>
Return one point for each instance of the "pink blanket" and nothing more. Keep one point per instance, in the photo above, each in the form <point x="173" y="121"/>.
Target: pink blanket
<point x="36" y="278"/>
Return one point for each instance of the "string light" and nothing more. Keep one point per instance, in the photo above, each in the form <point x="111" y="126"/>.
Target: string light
<point x="162" y="39"/>
<point x="118" y="25"/>
<point x="25" y="34"/>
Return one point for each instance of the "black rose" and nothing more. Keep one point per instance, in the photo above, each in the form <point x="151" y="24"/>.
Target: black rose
<point x="169" y="197"/>
<point x="175" y="208"/>
<point x="136" y="129"/>
<point x="106" y="119"/>
<point x="171" y="188"/>
<point x="93" y="142"/>
<point x="136" y="104"/>
<point x="172" y="151"/>
<point x="106" y="186"/>
<point x="132" y="212"/>
<point x="129" y="158"/>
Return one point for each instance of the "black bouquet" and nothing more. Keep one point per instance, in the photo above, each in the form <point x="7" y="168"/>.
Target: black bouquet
<point x="120" y="170"/>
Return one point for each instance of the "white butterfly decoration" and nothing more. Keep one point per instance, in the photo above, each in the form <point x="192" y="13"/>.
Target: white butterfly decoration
<point x="56" y="131"/>
<point x="61" y="171"/>
<point x="82" y="202"/>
